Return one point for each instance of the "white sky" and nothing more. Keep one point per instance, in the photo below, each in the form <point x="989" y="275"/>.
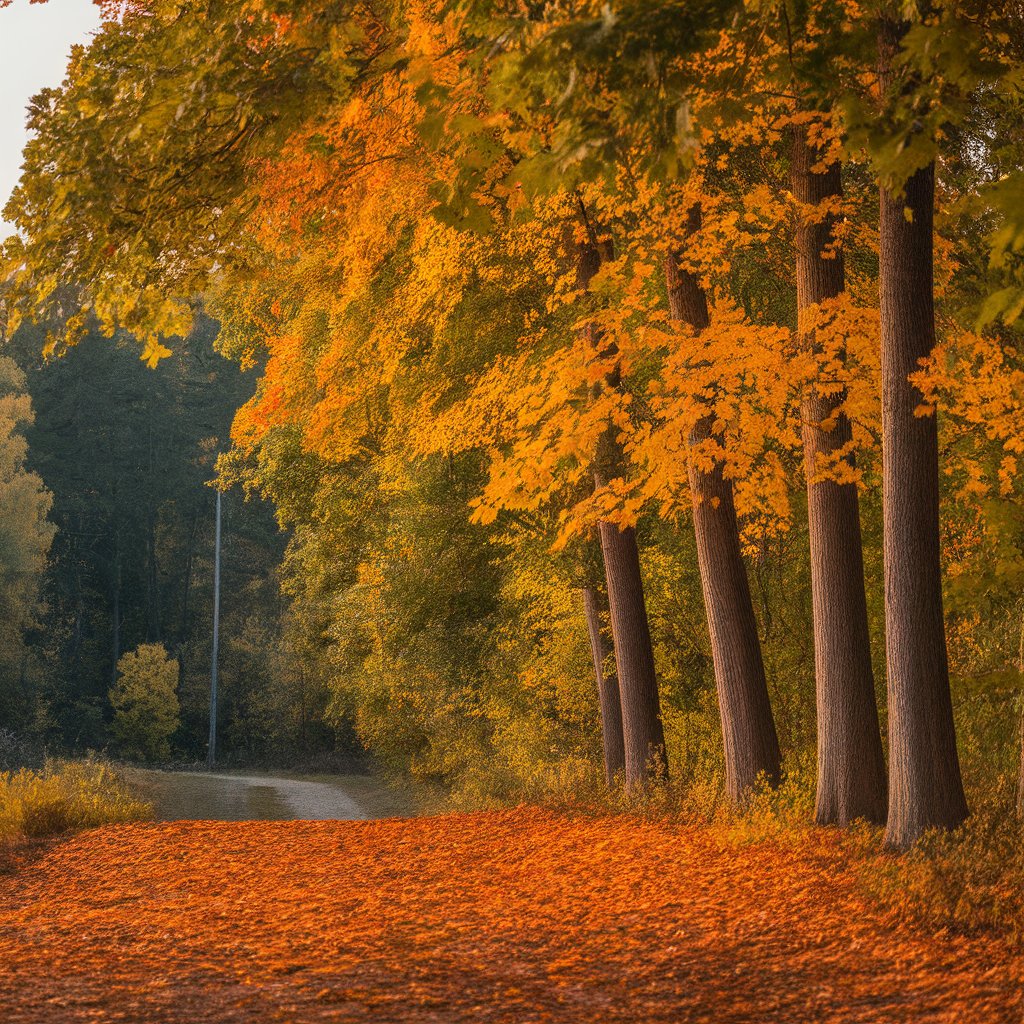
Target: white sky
<point x="35" y="40"/>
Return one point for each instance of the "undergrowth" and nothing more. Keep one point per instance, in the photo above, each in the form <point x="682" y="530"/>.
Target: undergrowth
<point x="967" y="881"/>
<point x="64" y="796"/>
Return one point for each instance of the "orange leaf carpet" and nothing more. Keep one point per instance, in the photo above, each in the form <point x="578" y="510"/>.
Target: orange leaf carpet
<point x="518" y="916"/>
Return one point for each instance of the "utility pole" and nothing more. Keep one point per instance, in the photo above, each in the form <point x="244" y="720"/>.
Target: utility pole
<point x="211" y="752"/>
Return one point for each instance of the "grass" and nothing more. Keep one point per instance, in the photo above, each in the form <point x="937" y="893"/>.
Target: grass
<point x="63" y="797"/>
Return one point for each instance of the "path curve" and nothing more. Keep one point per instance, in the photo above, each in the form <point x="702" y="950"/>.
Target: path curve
<point x="305" y="800"/>
<point x="238" y="796"/>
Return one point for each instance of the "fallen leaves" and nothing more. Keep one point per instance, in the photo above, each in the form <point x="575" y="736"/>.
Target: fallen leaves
<point x="515" y="916"/>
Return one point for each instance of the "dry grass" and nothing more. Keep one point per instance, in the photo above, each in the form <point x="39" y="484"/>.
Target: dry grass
<point x="63" y="797"/>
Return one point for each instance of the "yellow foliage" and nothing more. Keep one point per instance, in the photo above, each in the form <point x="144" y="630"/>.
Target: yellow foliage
<point x="65" y="796"/>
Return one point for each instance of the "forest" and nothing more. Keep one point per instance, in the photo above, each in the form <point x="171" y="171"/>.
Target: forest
<point x="109" y="534"/>
<point x="613" y="404"/>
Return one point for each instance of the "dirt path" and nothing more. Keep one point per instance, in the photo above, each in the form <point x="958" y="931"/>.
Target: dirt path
<point x="205" y="796"/>
<point x="519" y="917"/>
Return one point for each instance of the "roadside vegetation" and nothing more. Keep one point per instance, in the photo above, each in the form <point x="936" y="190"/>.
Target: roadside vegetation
<point x="63" y="797"/>
<point x="969" y="880"/>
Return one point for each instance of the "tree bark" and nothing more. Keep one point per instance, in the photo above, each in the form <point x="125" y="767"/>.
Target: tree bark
<point x="1020" y="770"/>
<point x="180" y="647"/>
<point x="607" y="688"/>
<point x="1020" y="727"/>
<point x="153" y="632"/>
<point x="851" y="765"/>
<point x="643" y="734"/>
<point x="925" y="784"/>
<point x="748" y="728"/>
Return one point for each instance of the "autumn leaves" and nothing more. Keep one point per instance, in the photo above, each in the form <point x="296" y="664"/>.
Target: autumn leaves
<point x="627" y="266"/>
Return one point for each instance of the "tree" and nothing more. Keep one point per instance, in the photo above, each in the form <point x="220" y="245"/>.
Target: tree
<point x="145" y="702"/>
<point x="379" y="199"/>
<point x="748" y="728"/>
<point x="613" y="742"/>
<point x="851" y="766"/>
<point x="25" y="537"/>
<point x="640" y="706"/>
<point x="925" y="787"/>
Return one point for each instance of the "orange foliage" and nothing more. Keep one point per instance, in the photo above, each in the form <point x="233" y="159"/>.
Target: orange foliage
<point x="345" y="218"/>
<point x="512" y="916"/>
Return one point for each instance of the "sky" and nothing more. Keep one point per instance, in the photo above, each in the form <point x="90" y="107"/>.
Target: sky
<point x="35" y="40"/>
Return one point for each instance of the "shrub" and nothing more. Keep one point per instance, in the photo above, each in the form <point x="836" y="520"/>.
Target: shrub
<point x="145" y="702"/>
<point x="65" y="796"/>
<point x="968" y="880"/>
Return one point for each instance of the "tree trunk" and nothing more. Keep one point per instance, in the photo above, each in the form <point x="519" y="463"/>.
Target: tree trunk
<point x="851" y="765"/>
<point x="925" y="785"/>
<point x="748" y="728"/>
<point x="1020" y="770"/>
<point x="1020" y="727"/>
<point x="607" y="689"/>
<point x="180" y="647"/>
<point x="643" y="734"/>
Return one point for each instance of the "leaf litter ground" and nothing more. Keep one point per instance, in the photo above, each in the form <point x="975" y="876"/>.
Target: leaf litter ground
<point x="514" y="916"/>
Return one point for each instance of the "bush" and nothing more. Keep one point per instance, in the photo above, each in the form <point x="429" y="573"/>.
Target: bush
<point x="145" y="702"/>
<point x="65" y="796"/>
<point x="968" y="880"/>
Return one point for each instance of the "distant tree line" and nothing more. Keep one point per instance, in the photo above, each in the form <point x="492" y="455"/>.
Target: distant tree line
<point x="108" y="529"/>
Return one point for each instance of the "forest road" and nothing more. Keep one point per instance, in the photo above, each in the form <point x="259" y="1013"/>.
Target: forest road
<point x="216" y="796"/>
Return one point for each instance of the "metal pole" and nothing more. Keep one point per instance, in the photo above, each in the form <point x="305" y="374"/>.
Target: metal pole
<point x="211" y="753"/>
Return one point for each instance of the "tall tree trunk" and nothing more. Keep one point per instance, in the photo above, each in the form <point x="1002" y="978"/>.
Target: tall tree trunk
<point x="925" y="785"/>
<point x="74" y="659"/>
<point x="748" y="728"/>
<point x="1020" y="770"/>
<point x="302" y="708"/>
<point x="1020" y="726"/>
<point x="607" y="687"/>
<point x="851" y="765"/>
<point x="187" y="582"/>
<point x="643" y="734"/>
<point x="153" y="629"/>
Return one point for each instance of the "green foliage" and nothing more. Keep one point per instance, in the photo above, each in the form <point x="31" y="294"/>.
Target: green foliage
<point x="131" y="560"/>
<point x="145" y="703"/>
